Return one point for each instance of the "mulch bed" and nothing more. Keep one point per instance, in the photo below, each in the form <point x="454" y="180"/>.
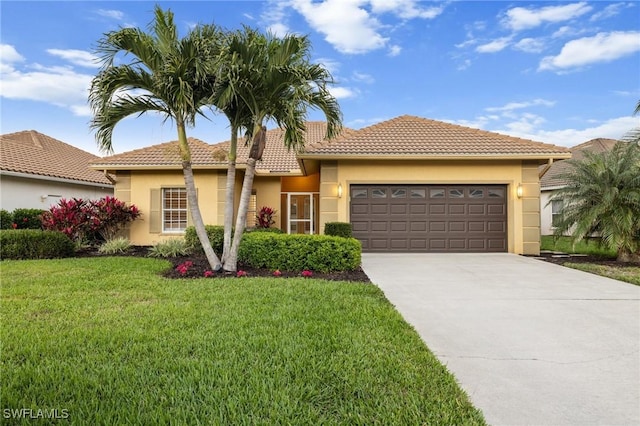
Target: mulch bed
<point x="562" y="258"/>
<point x="199" y="265"/>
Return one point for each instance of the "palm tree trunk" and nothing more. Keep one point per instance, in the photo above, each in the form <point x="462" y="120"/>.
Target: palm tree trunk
<point x="229" y="193"/>
<point x="231" y="261"/>
<point x="259" y="139"/>
<point x="192" y="200"/>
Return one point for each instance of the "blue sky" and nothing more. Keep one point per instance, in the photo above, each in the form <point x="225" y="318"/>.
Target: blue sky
<point x="555" y="72"/>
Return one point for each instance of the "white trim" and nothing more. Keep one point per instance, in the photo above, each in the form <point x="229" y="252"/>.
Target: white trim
<point x="55" y="179"/>
<point x="311" y="219"/>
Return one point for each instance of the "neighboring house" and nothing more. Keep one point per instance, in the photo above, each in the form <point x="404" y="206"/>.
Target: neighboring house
<point x="552" y="180"/>
<point x="36" y="171"/>
<point x="406" y="184"/>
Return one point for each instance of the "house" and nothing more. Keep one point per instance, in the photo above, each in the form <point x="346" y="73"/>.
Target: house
<point x="36" y="171"/>
<point x="552" y="180"/>
<point x="406" y="184"/>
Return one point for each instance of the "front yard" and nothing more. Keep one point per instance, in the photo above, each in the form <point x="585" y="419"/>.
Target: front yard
<point x="589" y="257"/>
<point x="109" y="341"/>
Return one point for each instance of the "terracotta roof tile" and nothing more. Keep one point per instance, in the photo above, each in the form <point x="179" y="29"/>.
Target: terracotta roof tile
<point x="31" y="152"/>
<point x="276" y="158"/>
<point x="409" y="136"/>
<point x="553" y="178"/>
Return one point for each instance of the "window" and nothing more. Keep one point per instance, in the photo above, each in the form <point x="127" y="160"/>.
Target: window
<point x="456" y="193"/>
<point x="436" y="193"/>
<point x="556" y="212"/>
<point x="174" y="209"/>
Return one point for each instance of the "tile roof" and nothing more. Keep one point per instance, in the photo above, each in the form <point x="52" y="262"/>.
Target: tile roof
<point x="553" y="177"/>
<point x="415" y="137"/>
<point x="276" y="158"/>
<point x="31" y="152"/>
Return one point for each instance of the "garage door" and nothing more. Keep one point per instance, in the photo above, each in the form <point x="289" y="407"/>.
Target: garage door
<point x="430" y="218"/>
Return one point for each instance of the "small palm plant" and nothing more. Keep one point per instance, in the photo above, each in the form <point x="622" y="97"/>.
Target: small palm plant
<point x="603" y="194"/>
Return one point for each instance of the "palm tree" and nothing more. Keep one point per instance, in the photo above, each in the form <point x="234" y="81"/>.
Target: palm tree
<point x="270" y="78"/>
<point x="604" y="198"/>
<point x="166" y="75"/>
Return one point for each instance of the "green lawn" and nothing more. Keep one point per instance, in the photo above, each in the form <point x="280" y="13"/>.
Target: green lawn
<point x="630" y="274"/>
<point x="112" y="342"/>
<point x="565" y="245"/>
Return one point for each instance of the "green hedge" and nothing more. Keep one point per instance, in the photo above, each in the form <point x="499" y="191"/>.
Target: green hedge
<point x="272" y="230"/>
<point x="34" y="244"/>
<point x="216" y="237"/>
<point x="6" y="219"/>
<point x="338" y="229"/>
<point x="28" y="218"/>
<point x="319" y="253"/>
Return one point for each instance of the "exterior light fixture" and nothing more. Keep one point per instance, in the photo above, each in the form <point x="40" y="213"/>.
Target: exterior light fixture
<point x="339" y="190"/>
<point x="519" y="190"/>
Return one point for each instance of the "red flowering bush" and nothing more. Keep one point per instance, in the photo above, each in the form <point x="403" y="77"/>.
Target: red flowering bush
<point x="183" y="268"/>
<point x="307" y="273"/>
<point x="208" y="273"/>
<point x="277" y="273"/>
<point x="264" y="219"/>
<point x="83" y="220"/>
<point x="241" y="274"/>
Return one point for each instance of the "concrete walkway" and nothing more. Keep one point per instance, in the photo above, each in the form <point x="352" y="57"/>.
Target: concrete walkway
<point x="532" y="343"/>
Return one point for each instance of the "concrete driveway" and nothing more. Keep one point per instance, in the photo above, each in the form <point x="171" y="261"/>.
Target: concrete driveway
<point x="530" y="342"/>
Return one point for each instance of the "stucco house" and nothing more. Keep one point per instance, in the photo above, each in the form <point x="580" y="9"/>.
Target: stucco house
<point x="406" y="184"/>
<point x="552" y="180"/>
<point x="36" y="171"/>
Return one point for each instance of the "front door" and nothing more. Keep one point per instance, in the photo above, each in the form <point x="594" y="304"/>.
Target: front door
<point x="302" y="213"/>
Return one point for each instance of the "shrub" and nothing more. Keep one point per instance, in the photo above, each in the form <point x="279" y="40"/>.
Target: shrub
<point x="272" y="230"/>
<point x="83" y="220"/>
<point x="115" y="246"/>
<point x="34" y="244"/>
<point x="264" y="219"/>
<point x="215" y="234"/>
<point x="6" y="219"/>
<point x="285" y="252"/>
<point x="170" y="248"/>
<point x="338" y="229"/>
<point x="27" y="218"/>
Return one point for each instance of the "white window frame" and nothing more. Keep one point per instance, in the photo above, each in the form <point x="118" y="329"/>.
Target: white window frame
<point x="312" y="212"/>
<point x="557" y="207"/>
<point x="165" y="210"/>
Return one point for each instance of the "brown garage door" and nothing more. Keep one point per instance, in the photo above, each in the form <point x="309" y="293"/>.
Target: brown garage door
<point x="430" y="218"/>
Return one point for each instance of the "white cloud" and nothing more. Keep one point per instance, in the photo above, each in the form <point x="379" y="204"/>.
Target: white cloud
<point x="603" y="47"/>
<point x="76" y="57"/>
<point x="394" y="50"/>
<point x="494" y="46"/>
<point x="610" y="11"/>
<point x="613" y="128"/>
<point x="278" y="29"/>
<point x="362" y="77"/>
<point x="346" y="26"/>
<point x="330" y="64"/>
<point x="9" y="54"/>
<point x="464" y="65"/>
<point x="275" y="17"/>
<point x="530" y="45"/>
<point x="343" y="92"/>
<point x="405" y="9"/>
<point x="113" y="14"/>
<point x="520" y="18"/>
<point x="520" y="105"/>
<point x="58" y="86"/>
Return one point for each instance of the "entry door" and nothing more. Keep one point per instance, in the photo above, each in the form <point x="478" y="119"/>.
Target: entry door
<point x="301" y="213"/>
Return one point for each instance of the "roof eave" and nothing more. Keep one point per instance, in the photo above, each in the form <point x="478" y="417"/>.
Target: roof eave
<point x="536" y="156"/>
<point x="55" y="179"/>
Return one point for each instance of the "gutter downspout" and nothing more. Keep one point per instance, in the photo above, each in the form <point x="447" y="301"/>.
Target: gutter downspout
<point x="108" y="176"/>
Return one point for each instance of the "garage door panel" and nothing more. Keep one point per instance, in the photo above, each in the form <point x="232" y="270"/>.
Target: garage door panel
<point x="425" y="218"/>
<point x="457" y="209"/>
<point x="378" y="209"/>
<point x="435" y="209"/>
<point x="457" y="226"/>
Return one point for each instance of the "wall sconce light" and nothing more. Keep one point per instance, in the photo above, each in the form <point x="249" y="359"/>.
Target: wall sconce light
<point x="339" y="190"/>
<point x="519" y="190"/>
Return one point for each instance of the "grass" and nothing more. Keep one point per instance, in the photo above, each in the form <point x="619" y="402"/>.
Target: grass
<point x="565" y="245"/>
<point x="112" y="342"/>
<point x="630" y="274"/>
